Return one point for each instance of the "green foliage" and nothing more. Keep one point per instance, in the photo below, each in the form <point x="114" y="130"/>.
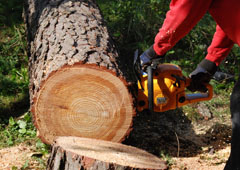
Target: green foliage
<point x="194" y="45"/>
<point x="166" y="158"/>
<point x="13" y="61"/>
<point x="13" y="57"/>
<point x="13" y="71"/>
<point x="10" y="12"/>
<point x="219" y="105"/>
<point x="232" y="63"/>
<point x="14" y="168"/>
<point x="41" y="147"/>
<point x="134" y="23"/>
<point x="26" y="165"/>
<point x="17" y="131"/>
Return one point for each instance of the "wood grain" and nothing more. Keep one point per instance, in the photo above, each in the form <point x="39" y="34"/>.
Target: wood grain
<point x="77" y="83"/>
<point x="81" y="153"/>
<point x="84" y="101"/>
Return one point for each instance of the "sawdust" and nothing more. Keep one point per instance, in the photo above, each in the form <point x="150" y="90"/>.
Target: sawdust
<point x="206" y="161"/>
<point x="19" y="157"/>
<point x="186" y="145"/>
<point x="14" y="156"/>
<point x="201" y="145"/>
<point x="215" y="150"/>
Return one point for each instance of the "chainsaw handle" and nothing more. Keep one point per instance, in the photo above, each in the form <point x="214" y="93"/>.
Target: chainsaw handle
<point x="197" y="97"/>
<point x="150" y="88"/>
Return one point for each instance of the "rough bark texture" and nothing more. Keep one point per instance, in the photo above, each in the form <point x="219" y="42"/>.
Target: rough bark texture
<point x="65" y="35"/>
<point x="71" y="153"/>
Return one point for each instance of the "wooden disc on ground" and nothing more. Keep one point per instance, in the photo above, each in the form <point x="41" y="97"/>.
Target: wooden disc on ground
<point x="84" y="101"/>
<point x="81" y="153"/>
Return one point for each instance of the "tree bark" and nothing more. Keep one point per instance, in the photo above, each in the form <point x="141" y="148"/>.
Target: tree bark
<point x="71" y="153"/>
<point x="77" y="85"/>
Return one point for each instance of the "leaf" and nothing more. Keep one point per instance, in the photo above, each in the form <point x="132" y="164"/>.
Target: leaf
<point x="27" y="117"/>
<point x="22" y="124"/>
<point x="10" y="142"/>
<point x="39" y="144"/>
<point x="26" y="164"/>
<point x="11" y="121"/>
<point x="14" y="168"/>
<point x="171" y="52"/>
<point x="22" y="131"/>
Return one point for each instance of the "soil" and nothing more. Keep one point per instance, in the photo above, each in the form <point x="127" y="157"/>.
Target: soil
<point x="21" y="157"/>
<point x="184" y="144"/>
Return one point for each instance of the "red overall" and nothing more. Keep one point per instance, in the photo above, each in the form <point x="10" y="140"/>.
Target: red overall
<point x="180" y="19"/>
<point x="184" y="15"/>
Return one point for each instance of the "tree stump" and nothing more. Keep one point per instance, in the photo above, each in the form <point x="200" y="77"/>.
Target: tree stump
<point x="77" y="84"/>
<point x="72" y="153"/>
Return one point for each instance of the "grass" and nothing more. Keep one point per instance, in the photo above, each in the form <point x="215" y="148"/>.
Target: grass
<point x="218" y="105"/>
<point x="21" y="130"/>
<point x="131" y="29"/>
<point x="166" y="158"/>
<point x="17" y="131"/>
<point x="13" y="70"/>
<point x="16" y="125"/>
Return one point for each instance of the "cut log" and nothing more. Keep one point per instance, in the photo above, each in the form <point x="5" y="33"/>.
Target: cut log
<point x="72" y="153"/>
<point x="77" y="82"/>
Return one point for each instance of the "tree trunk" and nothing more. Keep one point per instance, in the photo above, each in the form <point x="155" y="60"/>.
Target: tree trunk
<point x="72" y="153"/>
<point x="77" y="84"/>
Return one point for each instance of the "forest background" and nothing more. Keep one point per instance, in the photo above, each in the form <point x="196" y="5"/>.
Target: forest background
<point x="133" y="25"/>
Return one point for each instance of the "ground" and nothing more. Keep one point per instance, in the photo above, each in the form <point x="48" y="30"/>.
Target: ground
<point x="214" y="152"/>
<point x="21" y="157"/>
<point x="202" y="144"/>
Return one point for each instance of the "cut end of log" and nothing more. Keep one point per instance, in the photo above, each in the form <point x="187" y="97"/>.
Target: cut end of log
<point x="84" y="101"/>
<point x="94" y="153"/>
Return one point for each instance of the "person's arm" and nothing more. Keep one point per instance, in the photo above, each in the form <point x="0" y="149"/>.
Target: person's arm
<point x="220" y="47"/>
<point x="180" y="19"/>
<point x="217" y="51"/>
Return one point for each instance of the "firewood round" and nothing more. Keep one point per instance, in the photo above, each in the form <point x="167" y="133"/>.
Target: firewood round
<point x="84" y="101"/>
<point x="84" y="153"/>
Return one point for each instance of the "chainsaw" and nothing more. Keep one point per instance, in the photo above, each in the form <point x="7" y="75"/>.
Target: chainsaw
<point x="163" y="87"/>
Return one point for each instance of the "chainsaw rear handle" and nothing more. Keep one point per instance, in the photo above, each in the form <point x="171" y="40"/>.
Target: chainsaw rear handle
<point x="197" y="97"/>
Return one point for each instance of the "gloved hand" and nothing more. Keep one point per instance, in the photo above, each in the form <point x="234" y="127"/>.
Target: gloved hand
<point x="202" y="75"/>
<point x="147" y="56"/>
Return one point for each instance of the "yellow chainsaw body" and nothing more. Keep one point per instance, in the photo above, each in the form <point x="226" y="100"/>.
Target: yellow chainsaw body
<point x="169" y="86"/>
